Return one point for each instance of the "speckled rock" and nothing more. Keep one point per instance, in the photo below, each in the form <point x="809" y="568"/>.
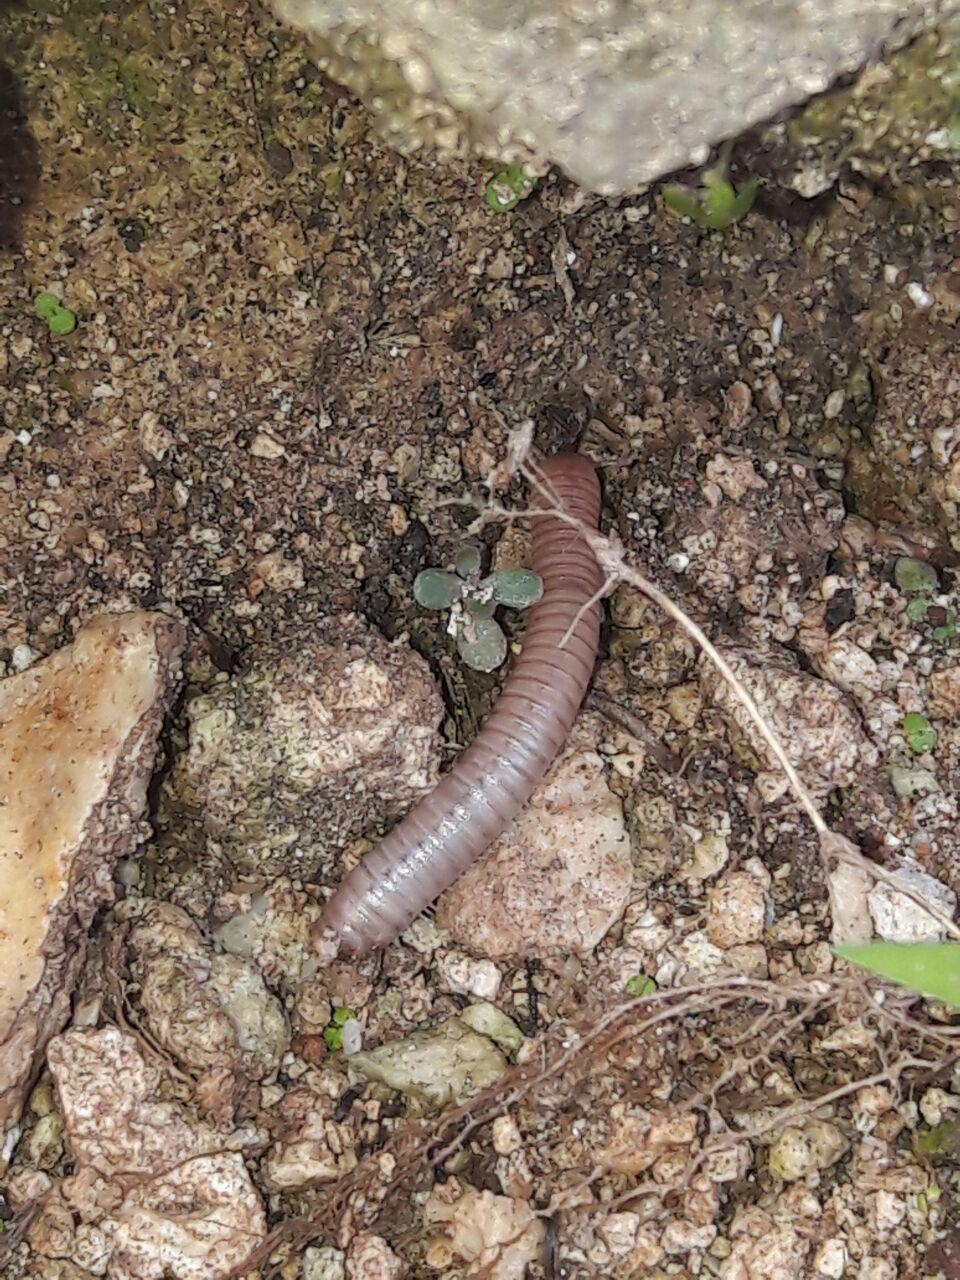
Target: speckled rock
<point x="211" y="1012"/>
<point x="312" y="741"/>
<point x="371" y="1258"/>
<point x="803" y="1149"/>
<point x="818" y="726"/>
<point x="898" y="918"/>
<point x="616" y="97"/>
<point x="558" y="878"/>
<point x="153" y="1193"/>
<point x="736" y="910"/>
<point x="495" y="1236"/>
<point x="106" y="1094"/>
<point x="444" y="1064"/>
<point x="908" y="468"/>
<point x="311" y="1147"/>
<point x="81" y="726"/>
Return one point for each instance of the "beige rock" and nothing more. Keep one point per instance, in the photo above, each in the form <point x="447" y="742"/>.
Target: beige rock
<point x="496" y="1237"/>
<point x="817" y="725"/>
<point x="371" y="1258"/>
<point x="315" y="738"/>
<point x="211" y="1012"/>
<point x="312" y="1147"/>
<point x="78" y="736"/>
<point x="944" y="702"/>
<point x="634" y="1139"/>
<point x="557" y="880"/>
<point x="106" y="1096"/>
<point x="736" y="910"/>
<point x="800" y="1150"/>
<point x="735" y="476"/>
<point x="445" y="1064"/>
<point x="156" y="1192"/>
<point x="198" y="1222"/>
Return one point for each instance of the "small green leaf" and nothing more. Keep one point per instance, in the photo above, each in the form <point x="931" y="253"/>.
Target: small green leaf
<point x="62" y="321"/>
<point x="947" y="630"/>
<point x="45" y="304"/>
<point x="918" y="732"/>
<point x="479" y="608"/>
<point x="333" y="1037"/>
<point x="717" y="206"/>
<point x="468" y="560"/>
<point x="917" y="609"/>
<point x="340" y="1016"/>
<point x="436" y="589"/>
<point x="682" y="201"/>
<point x="915" y="576"/>
<point x="487" y="648"/>
<point x="640" y="985"/>
<point x="931" y="969"/>
<point x="940" y="1139"/>
<point x="505" y="191"/>
<point x="516" y="588"/>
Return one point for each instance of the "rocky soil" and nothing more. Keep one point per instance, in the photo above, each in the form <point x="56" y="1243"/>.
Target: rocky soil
<point x="294" y="352"/>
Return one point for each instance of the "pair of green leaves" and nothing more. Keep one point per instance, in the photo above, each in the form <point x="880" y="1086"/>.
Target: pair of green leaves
<point x="505" y="191"/>
<point x="480" y="641"/>
<point x="60" y="319"/>
<point x="717" y="205"/>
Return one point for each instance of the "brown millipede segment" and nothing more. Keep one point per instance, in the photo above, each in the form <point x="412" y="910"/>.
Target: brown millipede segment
<point x="493" y="779"/>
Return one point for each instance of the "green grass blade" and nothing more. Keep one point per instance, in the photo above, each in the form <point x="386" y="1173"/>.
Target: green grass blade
<point x="932" y="969"/>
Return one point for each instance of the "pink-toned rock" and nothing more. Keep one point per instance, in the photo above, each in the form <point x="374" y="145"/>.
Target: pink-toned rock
<point x="557" y="879"/>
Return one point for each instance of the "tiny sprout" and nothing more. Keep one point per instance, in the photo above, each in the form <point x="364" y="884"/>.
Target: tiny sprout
<point x="473" y="600"/>
<point x="917" y="608"/>
<point x="716" y="205"/>
<point x="918" y="732"/>
<point x="915" y="576"/>
<point x="60" y="319"/>
<point x="333" y="1034"/>
<point x="946" y="631"/>
<point x="640" y="985"/>
<point x="507" y="188"/>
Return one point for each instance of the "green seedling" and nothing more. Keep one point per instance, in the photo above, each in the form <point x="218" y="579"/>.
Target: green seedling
<point x="716" y="205"/>
<point x="918" y="732"/>
<point x="640" y="985"/>
<point x="919" y="580"/>
<point x="473" y="600"/>
<point x="333" y="1032"/>
<point x="60" y="319"/>
<point x="507" y="188"/>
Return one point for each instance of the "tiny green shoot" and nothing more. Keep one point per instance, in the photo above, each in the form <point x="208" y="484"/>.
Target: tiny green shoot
<point x="918" y="732"/>
<point x="716" y="205"/>
<point x="333" y="1033"/>
<point x="60" y="319"/>
<point x="640" y="985"/>
<point x="507" y="188"/>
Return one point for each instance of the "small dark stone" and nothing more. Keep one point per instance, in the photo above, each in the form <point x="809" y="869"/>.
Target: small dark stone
<point x="131" y="233"/>
<point x="839" y="610"/>
<point x="279" y="158"/>
<point x="943" y="1256"/>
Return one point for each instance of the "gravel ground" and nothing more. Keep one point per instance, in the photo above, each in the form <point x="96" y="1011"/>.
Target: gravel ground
<point x="292" y="347"/>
